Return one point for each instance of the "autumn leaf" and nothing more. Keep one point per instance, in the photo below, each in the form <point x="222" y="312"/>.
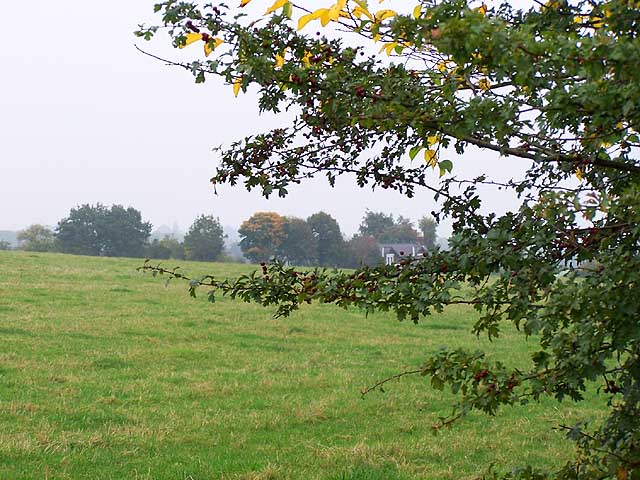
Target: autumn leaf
<point x="431" y="157"/>
<point x="280" y="59"/>
<point x="276" y="5"/>
<point x="208" y="47"/>
<point x="622" y="473"/>
<point x="388" y="47"/>
<point x="306" y="60"/>
<point x="358" y="11"/>
<point x="302" y="22"/>
<point x="484" y="84"/>
<point x="236" y="86"/>
<point x="382" y="15"/>
<point x="191" y="38"/>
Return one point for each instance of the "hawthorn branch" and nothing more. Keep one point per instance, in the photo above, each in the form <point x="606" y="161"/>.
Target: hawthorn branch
<point x="562" y="158"/>
<point x="397" y="376"/>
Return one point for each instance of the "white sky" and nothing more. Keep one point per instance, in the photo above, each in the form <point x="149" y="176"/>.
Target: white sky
<point x="85" y="118"/>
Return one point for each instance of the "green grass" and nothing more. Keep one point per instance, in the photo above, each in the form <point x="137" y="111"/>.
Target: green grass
<point x="107" y="374"/>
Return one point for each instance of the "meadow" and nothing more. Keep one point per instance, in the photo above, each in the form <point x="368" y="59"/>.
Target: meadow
<point x="106" y="373"/>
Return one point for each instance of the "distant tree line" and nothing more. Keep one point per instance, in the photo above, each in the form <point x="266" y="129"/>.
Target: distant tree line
<point x="117" y="231"/>
<point x="319" y="241"/>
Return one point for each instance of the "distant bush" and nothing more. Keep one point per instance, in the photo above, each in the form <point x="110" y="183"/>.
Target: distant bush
<point x="37" y="238"/>
<point x="165" y="248"/>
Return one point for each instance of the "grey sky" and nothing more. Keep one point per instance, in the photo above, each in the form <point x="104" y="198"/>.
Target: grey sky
<point x="85" y="118"/>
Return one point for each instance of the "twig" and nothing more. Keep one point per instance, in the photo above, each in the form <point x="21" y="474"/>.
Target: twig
<point x="365" y="391"/>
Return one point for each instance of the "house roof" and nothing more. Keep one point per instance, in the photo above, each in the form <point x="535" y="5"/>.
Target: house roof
<point x="401" y="248"/>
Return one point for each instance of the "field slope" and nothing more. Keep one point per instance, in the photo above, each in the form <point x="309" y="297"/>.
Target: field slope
<point x="105" y="373"/>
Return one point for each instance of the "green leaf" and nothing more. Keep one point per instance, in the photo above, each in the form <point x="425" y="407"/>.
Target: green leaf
<point x="445" y="167"/>
<point x="415" y="151"/>
<point x="287" y="11"/>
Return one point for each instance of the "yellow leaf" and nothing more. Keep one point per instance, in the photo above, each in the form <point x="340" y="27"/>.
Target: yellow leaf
<point x="236" y="86"/>
<point x="442" y="66"/>
<point x="326" y="16"/>
<point x="431" y="157"/>
<point x="384" y="14"/>
<point x="208" y="48"/>
<point x="276" y="5"/>
<point x="244" y="2"/>
<point x="359" y="11"/>
<point x="432" y="140"/>
<point x="309" y="17"/>
<point x="484" y="84"/>
<point x="280" y="59"/>
<point x="191" y="38"/>
<point x="307" y="59"/>
<point x="621" y="473"/>
<point x="388" y="47"/>
<point x="417" y="11"/>
<point x="482" y="9"/>
<point x="579" y="174"/>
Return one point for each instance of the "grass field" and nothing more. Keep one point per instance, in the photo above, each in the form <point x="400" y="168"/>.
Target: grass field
<point x="107" y="374"/>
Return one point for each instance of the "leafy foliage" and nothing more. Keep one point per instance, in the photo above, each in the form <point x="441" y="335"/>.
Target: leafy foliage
<point x="363" y="250"/>
<point x="261" y="236"/>
<point x="205" y="239"/>
<point x="387" y="229"/>
<point x="299" y="246"/>
<point x="122" y="232"/>
<point x="402" y="231"/>
<point x="329" y="238"/>
<point x="428" y="228"/>
<point x="165" y="248"/>
<point x="375" y="224"/>
<point x="37" y="238"/>
<point x="98" y="230"/>
<point x="556" y="86"/>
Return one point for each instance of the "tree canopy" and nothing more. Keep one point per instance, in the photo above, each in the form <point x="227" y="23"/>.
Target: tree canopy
<point x="261" y="236"/>
<point x="299" y="246"/>
<point x="393" y="98"/>
<point x="327" y="233"/>
<point x="374" y="224"/>
<point x="97" y="230"/>
<point x="37" y="238"/>
<point x="205" y="239"/>
<point x="428" y="228"/>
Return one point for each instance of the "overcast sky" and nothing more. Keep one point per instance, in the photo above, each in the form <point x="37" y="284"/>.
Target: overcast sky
<point x="85" y="118"/>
